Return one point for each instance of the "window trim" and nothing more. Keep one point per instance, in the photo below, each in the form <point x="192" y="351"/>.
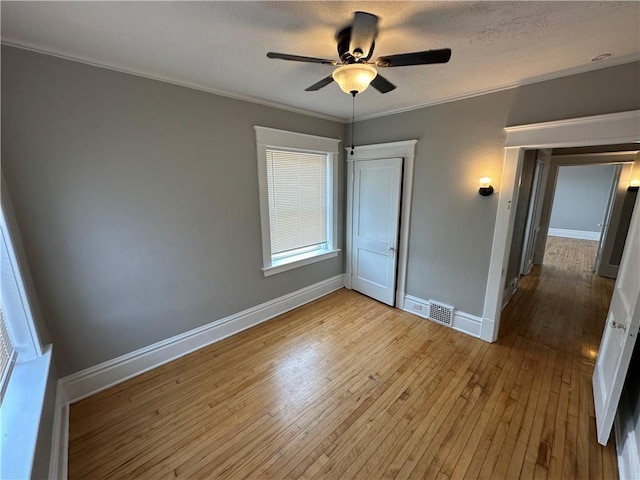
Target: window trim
<point x="20" y="321"/>
<point x="23" y="406"/>
<point x="271" y="138"/>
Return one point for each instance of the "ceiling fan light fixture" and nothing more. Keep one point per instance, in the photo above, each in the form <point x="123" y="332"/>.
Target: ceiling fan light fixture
<point x="354" y="77"/>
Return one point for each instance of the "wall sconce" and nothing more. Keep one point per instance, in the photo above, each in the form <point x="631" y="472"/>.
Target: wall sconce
<point x="634" y="185"/>
<point x="486" y="188"/>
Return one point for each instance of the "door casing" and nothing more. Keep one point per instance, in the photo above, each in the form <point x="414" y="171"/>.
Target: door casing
<point x="406" y="151"/>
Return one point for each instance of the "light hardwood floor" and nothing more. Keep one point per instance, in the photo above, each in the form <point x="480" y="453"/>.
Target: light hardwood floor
<point x="346" y="387"/>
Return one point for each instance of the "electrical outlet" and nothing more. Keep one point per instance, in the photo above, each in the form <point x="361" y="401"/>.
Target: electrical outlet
<point x="419" y="308"/>
<point x="415" y="306"/>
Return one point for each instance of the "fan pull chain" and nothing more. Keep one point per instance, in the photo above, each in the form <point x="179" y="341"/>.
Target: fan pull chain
<point x="353" y="115"/>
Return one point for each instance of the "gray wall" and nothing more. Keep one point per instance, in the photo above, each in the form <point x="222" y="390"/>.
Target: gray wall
<point x="137" y="202"/>
<point x="451" y="225"/>
<point x="581" y="197"/>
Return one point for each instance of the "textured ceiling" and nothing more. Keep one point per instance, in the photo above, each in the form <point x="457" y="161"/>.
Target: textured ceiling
<point x="221" y="46"/>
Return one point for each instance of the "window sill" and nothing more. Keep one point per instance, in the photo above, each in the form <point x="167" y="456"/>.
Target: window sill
<point x="298" y="261"/>
<point x="21" y="411"/>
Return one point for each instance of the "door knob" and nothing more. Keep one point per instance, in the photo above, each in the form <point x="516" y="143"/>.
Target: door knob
<point x="392" y="250"/>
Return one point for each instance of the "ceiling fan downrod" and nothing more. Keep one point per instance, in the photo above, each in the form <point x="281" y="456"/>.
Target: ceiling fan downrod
<point x="353" y="116"/>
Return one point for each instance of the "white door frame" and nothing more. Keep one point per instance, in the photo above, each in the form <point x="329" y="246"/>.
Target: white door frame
<point x="607" y="129"/>
<point x="405" y="150"/>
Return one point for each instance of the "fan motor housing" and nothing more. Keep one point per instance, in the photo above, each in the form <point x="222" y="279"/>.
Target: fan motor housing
<point x="343" y="39"/>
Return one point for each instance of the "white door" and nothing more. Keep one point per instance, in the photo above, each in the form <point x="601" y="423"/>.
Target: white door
<point x="620" y="333"/>
<point x="376" y="211"/>
<point x="534" y="216"/>
<point x="605" y="266"/>
<point x="607" y="218"/>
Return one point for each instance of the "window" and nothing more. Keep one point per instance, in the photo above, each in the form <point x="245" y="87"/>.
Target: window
<point x="7" y="356"/>
<point x="298" y="198"/>
<point x="297" y="187"/>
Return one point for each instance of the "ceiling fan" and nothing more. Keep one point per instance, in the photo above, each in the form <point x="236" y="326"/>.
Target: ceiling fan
<point x="355" y="48"/>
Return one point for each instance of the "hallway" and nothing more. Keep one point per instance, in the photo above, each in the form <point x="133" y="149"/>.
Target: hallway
<point x="559" y="311"/>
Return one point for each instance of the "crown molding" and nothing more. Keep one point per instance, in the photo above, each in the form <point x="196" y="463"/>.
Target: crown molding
<point x="612" y="62"/>
<point x="508" y="86"/>
<point x="180" y="83"/>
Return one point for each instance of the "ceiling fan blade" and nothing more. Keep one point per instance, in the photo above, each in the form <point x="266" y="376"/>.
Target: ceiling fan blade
<point x="363" y="34"/>
<point x="416" y="58"/>
<point x="299" y="58"/>
<point x="322" y="83"/>
<point x="382" y="84"/>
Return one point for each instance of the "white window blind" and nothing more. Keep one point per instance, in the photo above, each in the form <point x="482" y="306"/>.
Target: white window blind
<point x="297" y="188"/>
<point x="7" y="355"/>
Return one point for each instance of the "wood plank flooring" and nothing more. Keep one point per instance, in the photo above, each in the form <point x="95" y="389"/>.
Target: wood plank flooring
<point x="346" y="387"/>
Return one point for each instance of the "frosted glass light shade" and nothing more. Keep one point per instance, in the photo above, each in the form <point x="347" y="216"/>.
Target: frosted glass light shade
<point x="486" y="188"/>
<point x="355" y="77"/>
<point x="485" y="182"/>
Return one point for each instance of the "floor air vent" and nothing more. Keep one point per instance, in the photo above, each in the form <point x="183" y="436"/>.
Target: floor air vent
<point x="441" y="313"/>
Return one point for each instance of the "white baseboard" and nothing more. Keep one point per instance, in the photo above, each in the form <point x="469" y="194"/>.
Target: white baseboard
<point x="60" y="436"/>
<point x="579" y="234"/>
<point x="626" y="441"/>
<point x="487" y="330"/>
<point x="99" y="377"/>
<point x="467" y="323"/>
<point x="462" y="321"/>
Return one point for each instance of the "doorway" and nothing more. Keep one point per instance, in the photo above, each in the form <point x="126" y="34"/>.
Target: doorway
<point x="573" y="196"/>
<point x="609" y="129"/>
<point x="584" y="199"/>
